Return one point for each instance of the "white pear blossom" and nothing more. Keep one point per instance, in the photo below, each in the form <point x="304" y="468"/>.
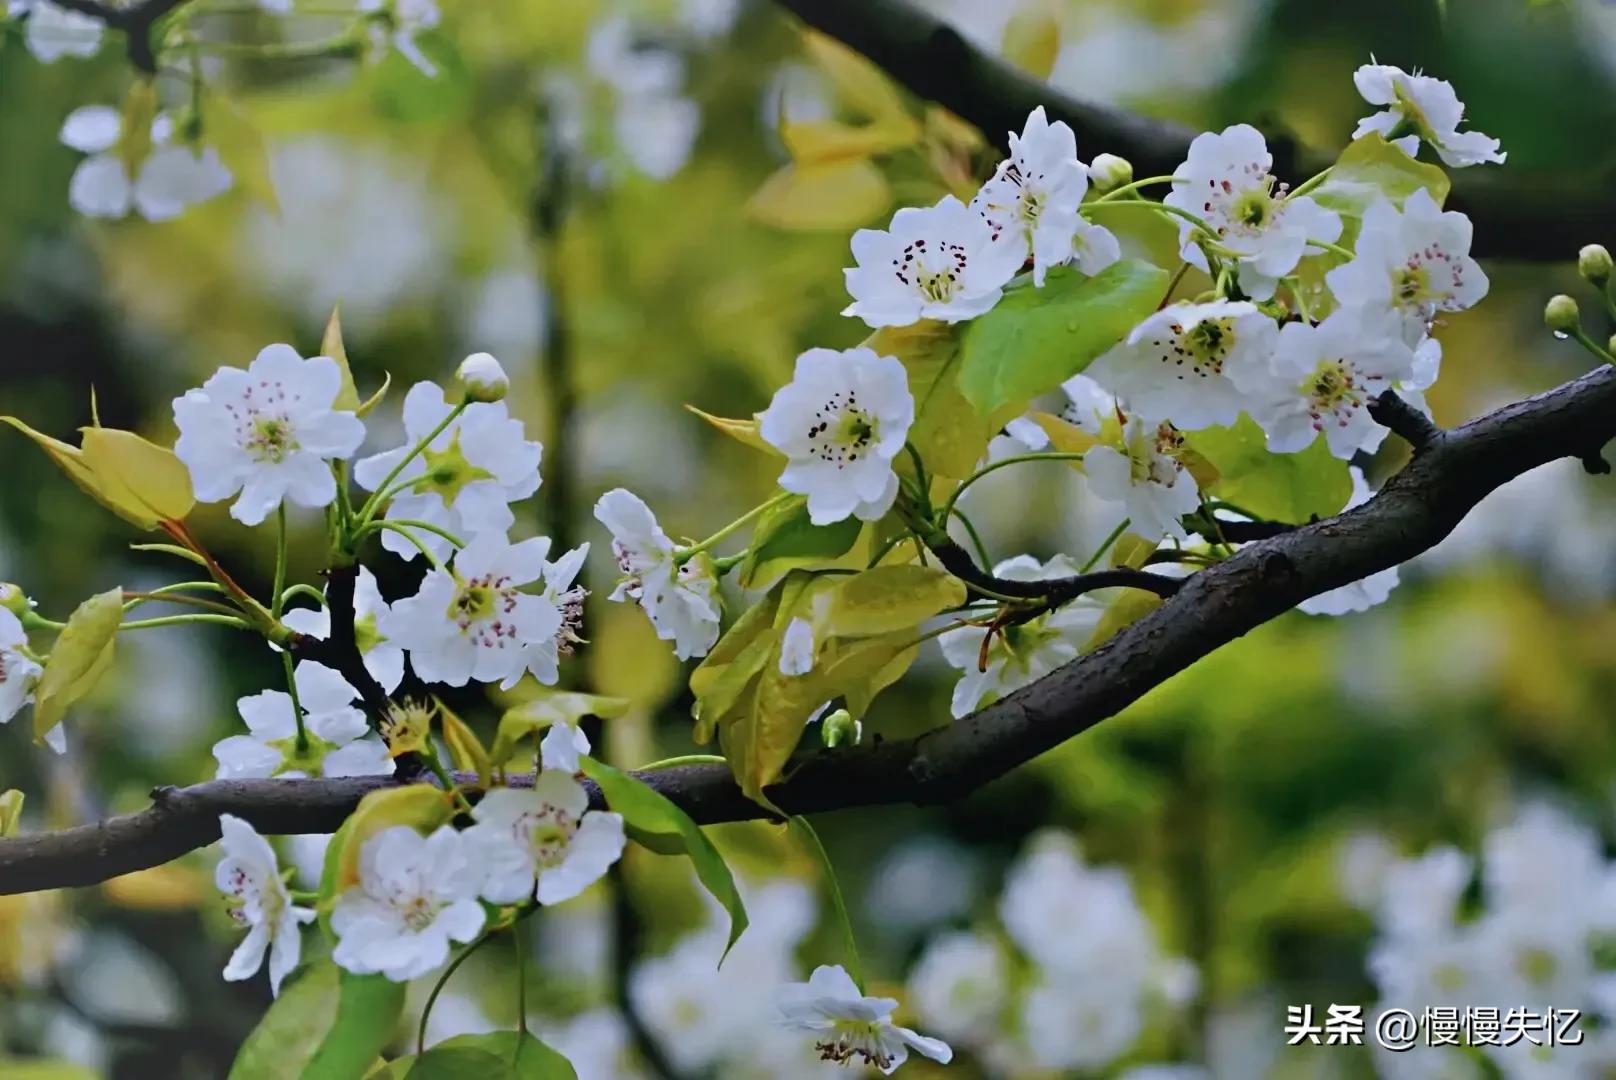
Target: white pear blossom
<point x="936" y="262"/>
<point x="53" y="32"/>
<point x="172" y="176"/>
<point x="1323" y="378"/>
<point x="851" y="1028"/>
<point x="397" y="22"/>
<point x="1088" y="404"/>
<point x="1227" y="183"/>
<point x="797" y="648"/>
<point x="474" y="622"/>
<point x="267" y="432"/>
<point x="415" y="894"/>
<point x="1145" y="475"/>
<point x="840" y="422"/>
<point x="960" y="985"/>
<point x="563" y="593"/>
<point x="339" y="741"/>
<point x="654" y="125"/>
<point x="1172" y="366"/>
<point x="1032" y="198"/>
<point x="1020" y="654"/>
<point x="17" y="672"/>
<point x="250" y="877"/>
<point x="1419" y="107"/>
<point x="1094" y="247"/>
<point x="545" y="839"/>
<point x="1416" y="261"/>
<point x="463" y="481"/>
<point x="562" y="746"/>
<point x="1365" y="593"/>
<point x="382" y="657"/>
<point x="1079" y="1024"/>
<point x="680" y="598"/>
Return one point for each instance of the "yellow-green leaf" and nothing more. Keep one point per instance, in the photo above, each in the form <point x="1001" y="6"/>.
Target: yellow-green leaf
<point x="1129" y="607"/>
<point x="721" y="681"/>
<point x="82" y="653"/>
<point x="859" y="83"/>
<point x="499" y="1055"/>
<point x="547" y="708"/>
<point x="890" y="598"/>
<point x="143" y="482"/>
<point x="1032" y="40"/>
<point x="821" y="142"/>
<point x="331" y="345"/>
<point x="67" y="458"/>
<point x="1064" y="435"/>
<point x="834" y="196"/>
<point x="368" y="406"/>
<point x="422" y="807"/>
<point x="242" y="149"/>
<point x="1372" y="168"/>
<point x="742" y="431"/>
<point x="465" y="749"/>
<point x="948" y="432"/>
<point x="10" y="812"/>
<point x="135" y="130"/>
<point x="1291" y="488"/>
<point x="649" y="812"/>
<point x="368" y="1007"/>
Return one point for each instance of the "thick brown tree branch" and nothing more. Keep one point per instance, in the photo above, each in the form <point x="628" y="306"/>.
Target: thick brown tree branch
<point x="134" y="20"/>
<point x="1419" y="506"/>
<point x="1523" y="216"/>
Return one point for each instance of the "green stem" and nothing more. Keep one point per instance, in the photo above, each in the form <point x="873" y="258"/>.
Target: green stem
<point x="399" y="525"/>
<point x="172" y="549"/>
<point x="521" y="980"/>
<point x="277" y="598"/>
<point x="1334" y="249"/>
<point x="685" y="554"/>
<point x="1581" y="337"/>
<point x="340" y="47"/>
<point x="1105" y="545"/>
<point x="855" y="967"/>
<point x="1129" y="189"/>
<point x="233" y="621"/>
<point x="297" y="706"/>
<point x="976" y="538"/>
<point x="368" y="510"/>
<point x="1309" y="184"/>
<point x="1163" y="208"/>
<point x="302" y="589"/>
<point x="1014" y="459"/>
<point x="168" y="595"/>
<point x="437" y="987"/>
<point x="682" y="759"/>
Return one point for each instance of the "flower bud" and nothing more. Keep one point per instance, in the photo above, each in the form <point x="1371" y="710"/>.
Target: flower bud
<point x="1593" y="263"/>
<point x="840" y="729"/>
<point x="1109" y="172"/>
<point x="1610" y="346"/>
<point x="483" y="378"/>
<point x="1561" y="314"/>
<point x="13" y="599"/>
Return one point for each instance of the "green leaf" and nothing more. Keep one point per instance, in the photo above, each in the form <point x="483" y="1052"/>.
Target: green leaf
<point x="1290" y="488"/>
<point x="10" y="812"/>
<point x="742" y="431"/>
<point x="833" y="196"/>
<point x="241" y="147"/>
<point x="82" y="654"/>
<point x="650" y="812"/>
<point x="465" y="748"/>
<point x="721" y="679"/>
<point x="502" y="1055"/>
<point x="785" y="540"/>
<point x="1373" y="168"/>
<point x="368" y="1007"/>
<point x="139" y="480"/>
<point x="855" y="966"/>
<point x="1035" y="339"/>
<point x="887" y="599"/>
<point x="327" y="1024"/>
<point x="331" y="345"/>
<point x="135" y="129"/>
<point x="40" y="1069"/>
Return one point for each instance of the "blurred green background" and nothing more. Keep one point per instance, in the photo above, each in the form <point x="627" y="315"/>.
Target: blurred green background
<point x="578" y="193"/>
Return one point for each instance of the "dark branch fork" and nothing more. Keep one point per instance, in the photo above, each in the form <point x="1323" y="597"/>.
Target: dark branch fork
<point x="135" y="21"/>
<point x="1419" y="506"/>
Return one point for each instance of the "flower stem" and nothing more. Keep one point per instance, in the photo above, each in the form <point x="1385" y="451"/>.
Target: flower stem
<point x="437" y="987"/>
<point x="1582" y="338"/>
<point x="1129" y="189"/>
<point x="682" y="759"/>
<point x="683" y="556"/>
<point x="302" y="589"/>
<point x="1105" y="545"/>
<point x="855" y="967"/>
<point x="403" y="527"/>
<point x="1163" y="208"/>
<point x="297" y="706"/>
<point x="368" y="510"/>
<point x="1014" y="459"/>
<point x="1334" y="249"/>
<point x="1310" y="183"/>
<point x="277" y="598"/>
<point x="521" y="980"/>
<point x="976" y="538"/>
<point x="233" y="621"/>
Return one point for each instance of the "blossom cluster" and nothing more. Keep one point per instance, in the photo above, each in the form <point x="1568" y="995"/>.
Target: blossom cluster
<point x="1098" y="977"/>
<point x="1538" y="935"/>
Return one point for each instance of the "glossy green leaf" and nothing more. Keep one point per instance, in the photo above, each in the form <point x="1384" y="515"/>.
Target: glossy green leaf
<point x="368" y="1008"/>
<point x="805" y="832"/>
<point x="139" y="480"/>
<point x="501" y="1055"/>
<point x="949" y="433"/>
<point x="1035" y="339"/>
<point x="723" y="676"/>
<point x="742" y="431"/>
<point x="81" y="655"/>
<point x="648" y="811"/>
<point x="1291" y="488"/>
<point x="10" y="812"/>
<point x="293" y="1028"/>
<point x="785" y="540"/>
<point x="331" y="345"/>
<point x="887" y="599"/>
<point x="1372" y="168"/>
